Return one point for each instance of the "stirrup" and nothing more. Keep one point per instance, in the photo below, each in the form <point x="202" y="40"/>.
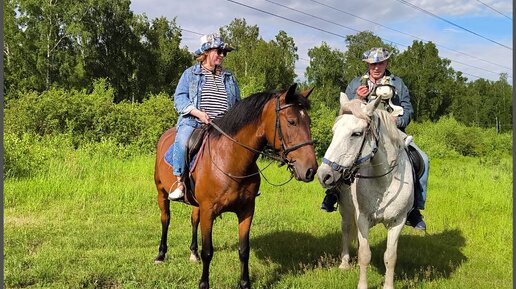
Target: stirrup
<point x="178" y="193"/>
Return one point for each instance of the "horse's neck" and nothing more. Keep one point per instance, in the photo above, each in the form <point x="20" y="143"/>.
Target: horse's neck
<point x="388" y="152"/>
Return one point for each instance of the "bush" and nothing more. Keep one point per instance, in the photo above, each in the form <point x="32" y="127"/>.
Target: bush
<point x="30" y="155"/>
<point x="91" y="117"/>
<point x="322" y="123"/>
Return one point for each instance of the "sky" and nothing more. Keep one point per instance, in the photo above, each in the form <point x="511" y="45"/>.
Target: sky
<point x="476" y="35"/>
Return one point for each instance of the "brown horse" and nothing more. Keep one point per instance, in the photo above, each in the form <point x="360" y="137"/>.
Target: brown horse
<point x="227" y="177"/>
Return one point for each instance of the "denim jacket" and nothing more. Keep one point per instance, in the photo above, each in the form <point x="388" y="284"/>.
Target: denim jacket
<point x="189" y="87"/>
<point x="401" y="97"/>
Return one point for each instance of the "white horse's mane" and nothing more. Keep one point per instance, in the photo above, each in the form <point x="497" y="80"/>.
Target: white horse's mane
<point x="355" y="106"/>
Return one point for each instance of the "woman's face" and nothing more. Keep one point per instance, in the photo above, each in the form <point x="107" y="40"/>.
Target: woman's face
<point x="377" y="70"/>
<point x="215" y="57"/>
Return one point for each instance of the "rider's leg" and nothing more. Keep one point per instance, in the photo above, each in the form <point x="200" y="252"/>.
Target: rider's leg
<point x="179" y="158"/>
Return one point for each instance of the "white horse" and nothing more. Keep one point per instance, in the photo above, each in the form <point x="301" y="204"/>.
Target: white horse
<point x="367" y="164"/>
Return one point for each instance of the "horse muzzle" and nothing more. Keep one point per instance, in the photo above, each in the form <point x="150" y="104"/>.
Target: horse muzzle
<point x="330" y="177"/>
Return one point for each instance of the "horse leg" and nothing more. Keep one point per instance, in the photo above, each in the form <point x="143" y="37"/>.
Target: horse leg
<point x="245" y="219"/>
<point x="206" y="216"/>
<point x="364" y="251"/>
<point x="164" y="206"/>
<point x="194" y="255"/>
<point x="346" y="223"/>
<point x="390" y="255"/>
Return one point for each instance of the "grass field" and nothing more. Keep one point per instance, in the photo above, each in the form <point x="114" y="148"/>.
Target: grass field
<point x="92" y="222"/>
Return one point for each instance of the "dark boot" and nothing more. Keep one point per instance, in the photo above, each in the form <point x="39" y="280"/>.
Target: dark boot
<point x="415" y="219"/>
<point x="328" y="204"/>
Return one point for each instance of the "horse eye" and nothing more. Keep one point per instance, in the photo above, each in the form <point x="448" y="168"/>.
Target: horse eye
<point x="291" y="121"/>
<point x="356" y="134"/>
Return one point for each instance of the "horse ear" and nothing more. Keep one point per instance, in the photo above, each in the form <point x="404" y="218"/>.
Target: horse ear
<point x="290" y="93"/>
<point x="369" y="109"/>
<point x="292" y="89"/>
<point x="343" y="99"/>
<point x="306" y="93"/>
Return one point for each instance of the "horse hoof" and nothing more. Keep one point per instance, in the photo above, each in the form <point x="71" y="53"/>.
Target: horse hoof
<point x="160" y="259"/>
<point x="344" y="266"/>
<point x="194" y="258"/>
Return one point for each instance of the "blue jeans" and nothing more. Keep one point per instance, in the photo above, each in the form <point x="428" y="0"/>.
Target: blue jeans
<point x="184" y="130"/>
<point x="423" y="180"/>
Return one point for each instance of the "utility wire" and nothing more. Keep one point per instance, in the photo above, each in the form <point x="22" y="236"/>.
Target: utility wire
<point x="451" y="23"/>
<point x="317" y="17"/>
<point x="495" y="10"/>
<point x="284" y="18"/>
<point x="407" y="34"/>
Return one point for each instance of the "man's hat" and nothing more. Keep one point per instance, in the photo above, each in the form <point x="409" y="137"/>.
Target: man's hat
<point x="375" y="55"/>
<point x="210" y="41"/>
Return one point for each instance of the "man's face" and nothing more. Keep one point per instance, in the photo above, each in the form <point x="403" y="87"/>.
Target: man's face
<point x="377" y="70"/>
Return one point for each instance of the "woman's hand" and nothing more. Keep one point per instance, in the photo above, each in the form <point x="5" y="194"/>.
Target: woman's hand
<point x="201" y="115"/>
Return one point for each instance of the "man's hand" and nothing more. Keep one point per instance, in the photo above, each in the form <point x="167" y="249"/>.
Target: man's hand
<point x="362" y="92"/>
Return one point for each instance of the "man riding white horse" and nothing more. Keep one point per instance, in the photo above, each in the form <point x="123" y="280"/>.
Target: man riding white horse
<point x="380" y="82"/>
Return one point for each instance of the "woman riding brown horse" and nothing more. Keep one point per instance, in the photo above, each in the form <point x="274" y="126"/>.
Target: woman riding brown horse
<point x="226" y="175"/>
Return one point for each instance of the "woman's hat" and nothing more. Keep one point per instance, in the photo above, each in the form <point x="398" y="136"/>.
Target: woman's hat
<point x="375" y="55"/>
<point x="211" y="41"/>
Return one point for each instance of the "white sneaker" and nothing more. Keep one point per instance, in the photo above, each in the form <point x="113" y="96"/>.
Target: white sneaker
<point x="408" y="140"/>
<point x="177" y="194"/>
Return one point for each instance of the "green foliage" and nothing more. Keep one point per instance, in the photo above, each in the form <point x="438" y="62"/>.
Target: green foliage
<point x="321" y="128"/>
<point x="69" y="44"/>
<point x="325" y="67"/>
<point x="432" y="87"/>
<point x="257" y="63"/>
<point x="90" y="117"/>
<point x="448" y="138"/>
<point x="30" y="155"/>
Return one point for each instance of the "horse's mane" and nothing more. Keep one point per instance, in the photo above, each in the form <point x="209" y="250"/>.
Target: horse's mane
<point x="354" y="107"/>
<point x="248" y="110"/>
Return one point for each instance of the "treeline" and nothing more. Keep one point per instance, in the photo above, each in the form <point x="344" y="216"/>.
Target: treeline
<point x="69" y="44"/>
<point x="94" y="72"/>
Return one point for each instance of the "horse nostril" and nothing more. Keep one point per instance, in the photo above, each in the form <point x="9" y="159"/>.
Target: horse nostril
<point x="326" y="178"/>
<point x="310" y="174"/>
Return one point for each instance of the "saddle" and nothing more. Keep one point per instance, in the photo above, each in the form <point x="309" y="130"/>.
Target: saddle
<point x="194" y="144"/>
<point x="416" y="160"/>
<point x="418" y="167"/>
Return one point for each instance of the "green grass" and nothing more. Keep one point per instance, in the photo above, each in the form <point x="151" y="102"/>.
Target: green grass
<point x="92" y="221"/>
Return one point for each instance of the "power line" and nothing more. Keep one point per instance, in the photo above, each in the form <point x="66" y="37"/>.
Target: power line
<point x="317" y="17"/>
<point x="326" y="31"/>
<point x="407" y="34"/>
<point x="495" y="10"/>
<point x="451" y="23"/>
<point x="284" y="18"/>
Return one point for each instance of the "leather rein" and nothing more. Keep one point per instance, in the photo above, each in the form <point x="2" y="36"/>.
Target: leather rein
<point x="281" y="157"/>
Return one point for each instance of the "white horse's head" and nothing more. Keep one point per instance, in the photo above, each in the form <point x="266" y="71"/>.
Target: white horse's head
<point x="351" y="141"/>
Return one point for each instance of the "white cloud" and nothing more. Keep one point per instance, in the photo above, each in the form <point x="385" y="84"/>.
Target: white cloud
<point x="209" y="15"/>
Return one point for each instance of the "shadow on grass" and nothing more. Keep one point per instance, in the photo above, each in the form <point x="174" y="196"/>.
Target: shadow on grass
<point x="420" y="257"/>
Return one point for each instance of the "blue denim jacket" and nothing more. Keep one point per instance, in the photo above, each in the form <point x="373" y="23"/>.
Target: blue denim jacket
<point x="189" y="87"/>
<point x="401" y="97"/>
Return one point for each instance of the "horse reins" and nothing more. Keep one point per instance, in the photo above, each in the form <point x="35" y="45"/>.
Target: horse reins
<point x="277" y="130"/>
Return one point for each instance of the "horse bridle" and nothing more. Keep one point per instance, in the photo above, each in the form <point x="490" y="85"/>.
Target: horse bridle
<point x="285" y="150"/>
<point x="350" y="173"/>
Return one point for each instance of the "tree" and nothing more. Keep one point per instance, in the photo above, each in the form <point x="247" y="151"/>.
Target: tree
<point x="325" y="72"/>
<point x="256" y="63"/>
<point x="429" y="78"/>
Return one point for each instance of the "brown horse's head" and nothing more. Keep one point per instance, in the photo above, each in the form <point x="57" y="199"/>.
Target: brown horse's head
<point x="288" y="132"/>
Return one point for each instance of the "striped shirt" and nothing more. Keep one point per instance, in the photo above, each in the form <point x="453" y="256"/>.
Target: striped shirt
<point x="213" y="95"/>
